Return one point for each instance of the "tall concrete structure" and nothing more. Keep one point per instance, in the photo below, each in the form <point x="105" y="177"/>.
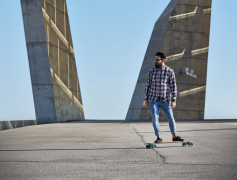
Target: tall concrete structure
<point x="182" y="32"/>
<point x="56" y="90"/>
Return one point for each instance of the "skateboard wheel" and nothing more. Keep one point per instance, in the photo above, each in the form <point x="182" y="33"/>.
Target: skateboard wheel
<point x="184" y="144"/>
<point x="190" y="143"/>
<point x="148" y="146"/>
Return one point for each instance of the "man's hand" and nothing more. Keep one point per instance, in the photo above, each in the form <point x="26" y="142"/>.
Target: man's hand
<point x="146" y="103"/>
<point x="173" y="105"/>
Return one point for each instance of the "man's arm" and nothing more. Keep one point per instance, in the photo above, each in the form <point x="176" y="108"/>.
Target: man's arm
<point x="173" y="88"/>
<point x="147" y="89"/>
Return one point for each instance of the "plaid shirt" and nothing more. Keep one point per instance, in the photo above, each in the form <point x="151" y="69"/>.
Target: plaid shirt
<point x="159" y="84"/>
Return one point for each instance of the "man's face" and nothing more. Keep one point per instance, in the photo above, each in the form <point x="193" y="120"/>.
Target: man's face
<point x="158" y="60"/>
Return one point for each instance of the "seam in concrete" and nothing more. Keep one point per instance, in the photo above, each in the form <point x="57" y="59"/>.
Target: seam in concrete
<point x="188" y="164"/>
<point x="157" y="153"/>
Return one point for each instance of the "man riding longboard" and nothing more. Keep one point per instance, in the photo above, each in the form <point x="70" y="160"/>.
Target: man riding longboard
<point x="160" y="82"/>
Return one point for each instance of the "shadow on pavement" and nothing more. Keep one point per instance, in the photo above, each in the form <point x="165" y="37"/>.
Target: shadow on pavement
<point x="197" y="130"/>
<point x="86" y="149"/>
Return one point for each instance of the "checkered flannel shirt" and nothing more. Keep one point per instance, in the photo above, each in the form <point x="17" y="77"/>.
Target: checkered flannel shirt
<point x="159" y="84"/>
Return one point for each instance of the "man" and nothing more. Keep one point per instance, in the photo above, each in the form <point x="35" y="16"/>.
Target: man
<point x="161" y="81"/>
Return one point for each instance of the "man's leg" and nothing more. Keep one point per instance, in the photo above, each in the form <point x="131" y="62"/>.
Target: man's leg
<point x="154" y="107"/>
<point x="166" y="107"/>
<point x="169" y="114"/>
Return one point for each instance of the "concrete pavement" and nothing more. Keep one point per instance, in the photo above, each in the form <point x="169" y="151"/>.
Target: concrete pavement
<point x="116" y="150"/>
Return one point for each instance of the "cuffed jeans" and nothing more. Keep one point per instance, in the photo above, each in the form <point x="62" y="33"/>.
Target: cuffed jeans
<point x="166" y="107"/>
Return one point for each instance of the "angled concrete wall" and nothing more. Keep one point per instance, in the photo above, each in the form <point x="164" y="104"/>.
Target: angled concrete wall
<point x="182" y="32"/>
<point x="56" y="90"/>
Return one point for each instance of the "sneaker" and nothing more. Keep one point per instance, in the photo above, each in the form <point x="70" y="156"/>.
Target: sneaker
<point x="178" y="138"/>
<point x="158" y="140"/>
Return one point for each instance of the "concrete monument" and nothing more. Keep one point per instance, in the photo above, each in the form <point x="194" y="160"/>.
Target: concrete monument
<point x="55" y="84"/>
<point x="182" y="32"/>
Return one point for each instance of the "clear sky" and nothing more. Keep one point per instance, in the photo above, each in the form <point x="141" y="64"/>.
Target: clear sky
<point x="110" y="39"/>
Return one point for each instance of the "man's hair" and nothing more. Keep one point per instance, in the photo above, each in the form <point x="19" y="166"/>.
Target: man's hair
<point x="161" y="54"/>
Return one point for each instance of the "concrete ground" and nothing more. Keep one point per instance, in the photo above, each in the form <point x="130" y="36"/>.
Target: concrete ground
<point x="116" y="150"/>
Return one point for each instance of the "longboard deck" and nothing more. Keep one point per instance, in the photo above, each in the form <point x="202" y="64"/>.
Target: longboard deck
<point x="184" y="143"/>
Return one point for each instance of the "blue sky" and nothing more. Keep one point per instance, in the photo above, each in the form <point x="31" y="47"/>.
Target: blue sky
<point x="110" y="39"/>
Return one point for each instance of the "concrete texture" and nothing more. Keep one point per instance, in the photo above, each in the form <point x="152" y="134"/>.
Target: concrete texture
<point x="4" y="125"/>
<point x="54" y="78"/>
<point x="116" y="150"/>
<point x="182" y="32"/>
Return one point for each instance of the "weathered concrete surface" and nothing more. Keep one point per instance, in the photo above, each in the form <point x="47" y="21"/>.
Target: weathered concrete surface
<point x="4" y="125"/>
<point x="182" y="32"/>
<point x="54" y="78"/>
<point x="106" y="150"/>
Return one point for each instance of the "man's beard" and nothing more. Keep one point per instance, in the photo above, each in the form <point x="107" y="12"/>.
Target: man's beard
<point x="158" y="65"/>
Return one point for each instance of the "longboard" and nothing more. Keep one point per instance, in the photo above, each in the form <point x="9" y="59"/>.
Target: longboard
<point x="184" y="143"/>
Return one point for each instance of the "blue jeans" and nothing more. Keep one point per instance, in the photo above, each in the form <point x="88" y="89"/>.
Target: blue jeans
<point x="166" y="107"/>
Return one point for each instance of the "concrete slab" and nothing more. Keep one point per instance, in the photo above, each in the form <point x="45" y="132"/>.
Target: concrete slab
<point x="116" y="150"/>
